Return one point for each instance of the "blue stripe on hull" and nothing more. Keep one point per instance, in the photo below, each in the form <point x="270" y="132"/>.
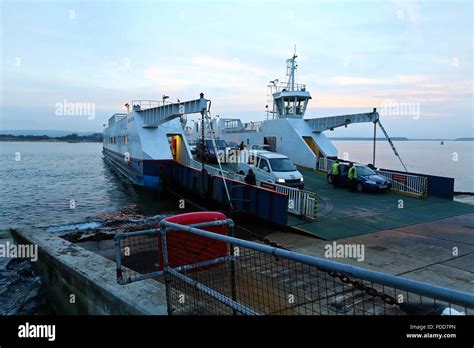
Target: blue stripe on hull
<point x="136" y="177"/>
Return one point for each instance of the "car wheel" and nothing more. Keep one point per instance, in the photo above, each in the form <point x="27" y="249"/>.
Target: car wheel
<point x="360" y="187"/>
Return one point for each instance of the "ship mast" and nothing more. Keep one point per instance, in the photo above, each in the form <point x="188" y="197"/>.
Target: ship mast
<point x="289" y="99"/>
<point x="291" y="68"/>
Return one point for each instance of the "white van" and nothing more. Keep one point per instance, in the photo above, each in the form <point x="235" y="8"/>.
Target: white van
<point x="272" y="167"/>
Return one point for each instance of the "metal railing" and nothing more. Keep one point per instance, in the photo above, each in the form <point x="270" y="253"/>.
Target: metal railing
<point x="325" y="164"/>
<point x="210" y="169"/>
<point x="300" y="202"/>
<point x="279" y="87"/>
<point x="211" y="273"/>
<point x="143" y="104"/>
<point x="416" y="185"/>
<point x="253" y="126"/>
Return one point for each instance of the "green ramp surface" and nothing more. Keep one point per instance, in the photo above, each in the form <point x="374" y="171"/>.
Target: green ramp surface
<point x="343" y="213"/>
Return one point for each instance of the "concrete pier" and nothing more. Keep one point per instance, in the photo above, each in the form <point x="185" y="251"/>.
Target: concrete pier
<point x="79" y="281"/>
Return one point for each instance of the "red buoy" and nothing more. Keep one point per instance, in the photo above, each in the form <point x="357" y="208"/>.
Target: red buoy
<point x="186" y="248"/>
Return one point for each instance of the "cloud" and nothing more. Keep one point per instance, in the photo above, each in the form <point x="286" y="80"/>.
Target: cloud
<point x="408" y="9"/>
<point x="228" y="65"/>
<point x="410" y="78"/>
<point x="364" y="81"/>
<point x="353" y="80"/>
<point x="205" y="71"/>
<point x="228" y="79"/>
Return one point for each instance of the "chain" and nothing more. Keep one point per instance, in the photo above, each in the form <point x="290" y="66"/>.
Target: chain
<point x="362" y="287"/>
<point x="260" y="238"/>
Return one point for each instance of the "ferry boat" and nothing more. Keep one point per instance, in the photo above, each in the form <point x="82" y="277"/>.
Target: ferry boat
<point x="150" y="137"/>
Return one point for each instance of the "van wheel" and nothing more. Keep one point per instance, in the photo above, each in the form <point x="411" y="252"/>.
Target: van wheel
<point x="360" y="187"/>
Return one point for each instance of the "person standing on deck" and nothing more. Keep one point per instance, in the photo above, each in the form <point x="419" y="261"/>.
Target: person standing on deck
<point x="250" y="178"/>
<point x="352" y="176"/>
<point x="241" y="146"/>
<point x="335" y="173"/>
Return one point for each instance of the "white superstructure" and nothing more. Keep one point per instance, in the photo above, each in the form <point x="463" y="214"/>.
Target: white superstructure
<point x="287" y="132"/>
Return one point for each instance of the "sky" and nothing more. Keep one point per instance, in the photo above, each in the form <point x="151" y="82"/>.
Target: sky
<point x="411" y="60"/>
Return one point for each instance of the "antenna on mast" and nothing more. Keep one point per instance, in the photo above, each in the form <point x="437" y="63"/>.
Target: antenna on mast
<point x="290" y="71"/>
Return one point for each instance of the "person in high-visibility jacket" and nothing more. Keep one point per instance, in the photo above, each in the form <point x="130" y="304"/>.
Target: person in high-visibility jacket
<point x="335" y="173"/>
<point x="352" y="175"/>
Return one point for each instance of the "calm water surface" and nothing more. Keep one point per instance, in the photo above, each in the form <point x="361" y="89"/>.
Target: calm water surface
<point x="37" y="190"/>
<point x="454" y="159"/>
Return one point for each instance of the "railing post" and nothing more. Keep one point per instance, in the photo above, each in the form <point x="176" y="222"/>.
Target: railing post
<point x="118" y="260"/>
<point x="302" y="195"/>
<point x="315" y="207"/>
<point x="164" y="253"/>
<point x="425" y="186"/>
<point x="232" y="269"/>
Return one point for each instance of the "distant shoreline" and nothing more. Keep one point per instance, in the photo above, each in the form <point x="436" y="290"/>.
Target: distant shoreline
<point x="47" y="141"/>
<point x="71" y="138"/>
<point x="98" y="138"/>
<point x="398" y="139"/>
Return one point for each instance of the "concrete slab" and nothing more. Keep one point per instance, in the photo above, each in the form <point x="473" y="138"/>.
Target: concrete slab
<point x="392" y="251"/>
<point x="292" y="240"/>
<point x="443" y="275"/>
<point x="456" y="229"/>
<point x="421" y="251"/>
<point x="464" y="263"/>
<point x="105" y="248"/>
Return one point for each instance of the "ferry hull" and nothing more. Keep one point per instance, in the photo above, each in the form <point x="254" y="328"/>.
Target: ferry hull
<point x="149" y="174"/>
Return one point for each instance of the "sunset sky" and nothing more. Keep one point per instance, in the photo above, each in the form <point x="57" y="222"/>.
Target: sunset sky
<point x="352" y="55"/>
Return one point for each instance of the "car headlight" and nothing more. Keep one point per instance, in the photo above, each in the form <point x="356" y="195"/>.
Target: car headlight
<point x="302" y="179"/>
<point x="370" y="182"/>
<point x="281" y="181"/>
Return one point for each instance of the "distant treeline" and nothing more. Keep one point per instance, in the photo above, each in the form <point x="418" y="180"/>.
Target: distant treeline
<point x="402" y="139"/>
<point x="362" y="138"/>
<point x="73" y="138"/>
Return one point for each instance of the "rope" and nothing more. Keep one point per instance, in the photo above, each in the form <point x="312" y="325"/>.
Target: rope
<point x="375" y="141"/>
<point x="391" y="144"/>
<point x="213" y="138"/>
